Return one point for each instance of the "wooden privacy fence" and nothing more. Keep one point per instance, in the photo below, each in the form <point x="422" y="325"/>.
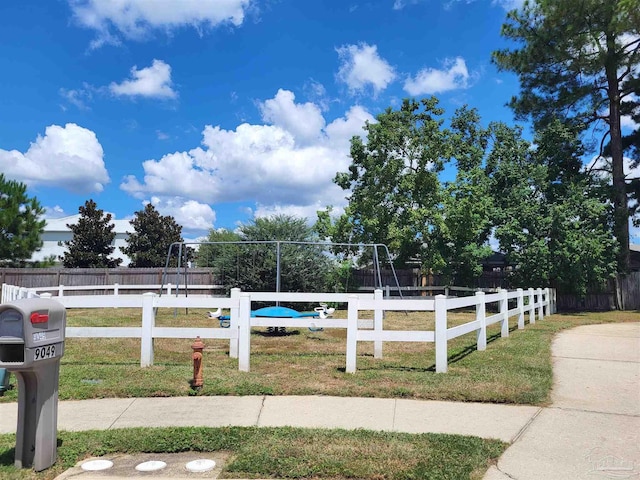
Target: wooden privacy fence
<point x="538" y="302"/>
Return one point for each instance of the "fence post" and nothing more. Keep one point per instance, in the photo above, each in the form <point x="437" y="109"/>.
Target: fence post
<point x="387" y="291"/>
<point x="532" y="307"/>
<point x="547" y="297"/>
<point x="115" y="289"/>
<point x="540" y="304"/>
<point x="441" y="333"/>
<point x="481" y="316"/>
<point x="233" y="322"/>
<point x="168" y="289"/>
<point x="504" y="312"/>
<point x="352" y="333"/>
<point x="377" y="324"/>
<point x="520" y="309"/>
<point x="148" y="323"/>
<point x="244" y="332"/>
<point x="61" y="290"/>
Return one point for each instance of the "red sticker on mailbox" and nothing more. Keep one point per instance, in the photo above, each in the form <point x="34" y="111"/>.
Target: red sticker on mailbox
<point x="37" y="317"/>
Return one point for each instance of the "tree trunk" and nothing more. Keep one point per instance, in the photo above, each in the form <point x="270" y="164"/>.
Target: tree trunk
<point x="621" y="211"/>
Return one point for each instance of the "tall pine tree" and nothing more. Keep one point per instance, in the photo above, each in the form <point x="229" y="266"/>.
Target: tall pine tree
<point x="20" y="226"/>
<point x="578" y="62"/>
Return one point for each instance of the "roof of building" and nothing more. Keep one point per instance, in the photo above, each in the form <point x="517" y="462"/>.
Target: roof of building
<point x="60" y="224"/>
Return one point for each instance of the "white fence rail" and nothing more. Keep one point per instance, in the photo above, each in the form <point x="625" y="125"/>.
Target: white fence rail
<point x="536" y="303"/>
<point x="117" y="289"/>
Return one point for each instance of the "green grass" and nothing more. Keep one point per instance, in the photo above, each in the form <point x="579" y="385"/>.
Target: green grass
<point x="283" y="452"/>
<point x="515" y="370"/>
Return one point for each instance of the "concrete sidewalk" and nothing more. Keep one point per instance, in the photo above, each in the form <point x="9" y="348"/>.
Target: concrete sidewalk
<point x="591" y="430"/>
<point x="504" y="422"/>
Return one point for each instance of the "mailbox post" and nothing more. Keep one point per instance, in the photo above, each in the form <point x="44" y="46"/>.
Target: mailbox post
<point x="31" y="345"/>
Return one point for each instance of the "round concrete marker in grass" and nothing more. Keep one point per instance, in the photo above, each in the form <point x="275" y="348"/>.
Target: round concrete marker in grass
<point x="96" y="465"/>
<point x="152" y="466"/>
<point x="200" y="465"/>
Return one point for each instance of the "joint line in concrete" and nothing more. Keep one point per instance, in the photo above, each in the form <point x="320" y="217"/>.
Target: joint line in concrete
<point x="121" y="414"/>
<point x="526" y="426"/>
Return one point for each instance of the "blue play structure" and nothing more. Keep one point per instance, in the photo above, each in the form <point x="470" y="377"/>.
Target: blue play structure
<point x="4" y="381"/>
<point x="277" y="312"/>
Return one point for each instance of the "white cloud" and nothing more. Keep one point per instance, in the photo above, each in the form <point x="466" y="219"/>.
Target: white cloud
<point x="342" y="129"/>
<point x="626" y="122"/>
<point x="191" y="214"/>
<point x="280" y="164"/>
<point x="54" y="212"/>
<point x="137" y="19"/>
<point x="304" y="121"/>
<point x="428" y="81"/>
<point x="317" y="93"/>
<point x="309" y="212"/>
<point x="400" y="4"/>
<point x="80" y="97"/>
<point x="509" y="4"/>
<point x="151" y="82"/>
<point x="69" y="157"/>
<point x="361" y="67"/>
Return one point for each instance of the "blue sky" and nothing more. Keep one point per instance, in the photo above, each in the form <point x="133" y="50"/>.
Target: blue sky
<point x="218" y="110"/>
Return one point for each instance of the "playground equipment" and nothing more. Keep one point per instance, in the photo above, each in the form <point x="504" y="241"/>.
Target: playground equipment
<point x="4" y="381"/>
<point x="183" y="263"/>
<point x="323" y="311"/>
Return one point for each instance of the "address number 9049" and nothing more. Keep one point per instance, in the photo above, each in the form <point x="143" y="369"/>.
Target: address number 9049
<point x="42" y="353"/>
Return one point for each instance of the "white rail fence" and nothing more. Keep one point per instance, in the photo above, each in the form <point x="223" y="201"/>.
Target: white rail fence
<point x="117" y="289"/>
<point x="532" y="303"/>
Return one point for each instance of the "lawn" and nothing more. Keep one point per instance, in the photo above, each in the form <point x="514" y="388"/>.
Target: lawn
<point x="283" y="452"/>
<point x="514" y="370"/>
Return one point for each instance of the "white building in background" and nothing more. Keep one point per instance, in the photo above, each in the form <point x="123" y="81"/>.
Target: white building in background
<point x="56" y="233"/>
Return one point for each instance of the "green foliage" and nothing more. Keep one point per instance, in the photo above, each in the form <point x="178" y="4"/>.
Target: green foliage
<point x="550" y="220"/>
<point x="20" y="226"/>
<point x="153" y="234"/>
<point x="395" y="195"/>
<point x="219" y="255"/>
<point x="468" y="205"/>
<point x="284" y="452"/>
<point x="252" y="266"/>
<point x="578" y="62"/>
<point x="92" y="241"/>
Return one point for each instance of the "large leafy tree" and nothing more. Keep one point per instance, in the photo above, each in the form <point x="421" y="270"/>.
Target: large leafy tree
<point x="550" y="218"/>
<point x="302" y="267"/>
<point x="92" y="242"/>
<point x="20" y="224"/>
<point x="253" y="266"/>
<point x="395" y="194"/>
<point x="578" y="62"/>
<point x="468" y="205"/>
<point x="148" y="244"/>
<point x="221" y="255"/>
